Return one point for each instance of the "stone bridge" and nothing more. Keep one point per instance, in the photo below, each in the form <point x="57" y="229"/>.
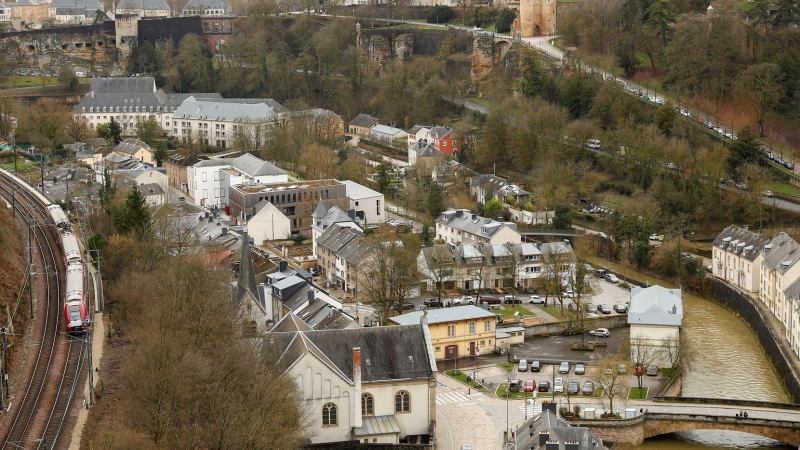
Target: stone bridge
<point x="779" y="424"/>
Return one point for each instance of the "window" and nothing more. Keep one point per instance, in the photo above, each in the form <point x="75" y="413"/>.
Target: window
<point x="472" y="328"/>
<point x="204" y="176"/>
<point x="402" y="402"/>
<point x="367" y="404"/>
<point x="487" y="326"/>
<point x="329" y="418"/>
<point x="451" y="330"/>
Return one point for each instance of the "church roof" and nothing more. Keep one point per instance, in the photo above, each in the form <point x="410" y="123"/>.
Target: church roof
<point x="247" y="274"/>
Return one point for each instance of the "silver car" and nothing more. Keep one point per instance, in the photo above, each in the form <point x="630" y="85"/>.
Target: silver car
<point x="564" y="367"/>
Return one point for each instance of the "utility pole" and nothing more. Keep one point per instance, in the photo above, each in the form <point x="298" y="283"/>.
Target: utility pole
<point x="30" y="266"/>
<point x="4" y="374"/>
<point x="89" y="333"/>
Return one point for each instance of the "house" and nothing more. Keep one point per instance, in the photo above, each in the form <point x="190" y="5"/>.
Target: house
<point x="455" y="332"/>
<point x="455" y="226"/>
<point x="367" y="204"/>
<point x="424" y="156"/>
<point x="218" y="122"/>
<point x="547" y="431"/>
<point x="318" y="124"/>
<point x="147" y="176"/>
<point x="323" y="219"/>
<point x="291" y="291"/>
<point x="269" y="224"/>
<point x="331" y="247"/>
<point x="362" y="125"/>
<point x="251" y="308"/>
<point x="296" y="200"/>
<point x="153" y="194"/>
<point x="736" y="257"/>
<point x="128" y="100"/>
<point x="206" y="8"/>
<point x="656" y="315"/>
<point x="446" y="140"/>
<point x="5" y="13"/>
<point x="73" y="11"/>
<point x="136" y="149"/>
<point x="418" y="133"/>
<point x="248" y="168"/>
<point x="30" y="11"/>
<point x="386" y="134"/>
<point x="792" y="295"/>
<point x="779" y="269"/>
<point x="176" y="164"/>
<point x="371" y="385"/>
<point x="144" y="8"/>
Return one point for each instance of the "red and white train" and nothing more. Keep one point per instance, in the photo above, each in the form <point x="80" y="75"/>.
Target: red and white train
<point x="75" y="297"/>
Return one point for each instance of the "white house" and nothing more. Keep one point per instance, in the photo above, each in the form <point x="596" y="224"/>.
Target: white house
<point x="373" y="385"/>
<point x="206" y="8"/>
<point x="455" y="226"/>
<point x="73" y="11"/>
<point x="147" y="176"/>
<point x="5" y="13"/>
<point x="792" y="294"/>
<point x="209" y="180"/>
<point x="144" y="8"/>
<point x="385" y="133"/>
<point x="736" y="257"/>
<point x="367" y="204"/>
<point x="153" y="194"/>
<point x="268" y="224"/>
<point x="418" y="133"/>
<point x="217" y="123"/>
<point x="656" y="314"/>
<point x="323" y="219"/>
<point x="779" y="269"/>
<point x="203" y="180"/>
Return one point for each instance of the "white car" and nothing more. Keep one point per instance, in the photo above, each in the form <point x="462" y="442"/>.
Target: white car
<point x="464" y="300"/>
<point x="536" y="300"/>
<point x="611" y="278"/>
<point x="558" y="385"/>
<point x="600" y="332"/>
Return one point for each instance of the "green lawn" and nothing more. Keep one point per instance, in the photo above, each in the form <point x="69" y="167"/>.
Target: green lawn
<point x="22" y="164"/>
<point x="509" y="310"/>
<point x="636" y="394"/>
<point x="462" y="377"/>
<point x="16" y="81"/>
<point x="501" y="393"/>
<point x="481" y="101"/>
<point x="554" y="311"/>
<point x="666" y="372"/>
<point x="507" y="366"/>
<point x="784" y="188"/>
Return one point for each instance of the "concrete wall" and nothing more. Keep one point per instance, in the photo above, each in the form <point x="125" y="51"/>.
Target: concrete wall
<point x="743" y="305"/>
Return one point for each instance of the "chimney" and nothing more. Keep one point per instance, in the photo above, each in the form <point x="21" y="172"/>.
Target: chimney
<point x="224" y="231"/>
<point x="570" y="445"/>
<point x="544" y="436"/>
<point x="311" y="296"/>
<point x="210" y="219"/>
<point x="474" y="216"/>
<point x="357" y="423"/>
<point x="282" y="266"/>
<point x="351" y="213"/>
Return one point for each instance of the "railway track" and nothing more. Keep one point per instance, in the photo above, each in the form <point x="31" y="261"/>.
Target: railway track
<point x="37" y="415"/>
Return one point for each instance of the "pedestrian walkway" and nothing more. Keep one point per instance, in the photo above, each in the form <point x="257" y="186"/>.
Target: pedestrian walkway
<point x="452" y="397"/>
<point x="531" y="408"/>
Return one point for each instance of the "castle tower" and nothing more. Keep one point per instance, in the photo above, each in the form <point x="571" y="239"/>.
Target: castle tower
<point x="126" y="26"/>
<point x="537" y="17"/>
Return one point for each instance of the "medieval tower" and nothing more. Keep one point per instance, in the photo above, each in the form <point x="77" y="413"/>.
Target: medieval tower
<point x="537" y="17"/>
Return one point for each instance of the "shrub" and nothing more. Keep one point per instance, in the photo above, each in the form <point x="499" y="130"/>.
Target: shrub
<point x="440" y="14"/>
<point x="504" y="21"/>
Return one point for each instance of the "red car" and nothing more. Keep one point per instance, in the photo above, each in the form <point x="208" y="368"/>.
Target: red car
<point x="530" y="385"/>
<point x="490" y="299"/>
<point x="638" y="369"/>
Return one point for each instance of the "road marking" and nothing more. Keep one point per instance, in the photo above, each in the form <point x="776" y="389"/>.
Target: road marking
<point x="451" y="398"/>
<point x="531" y="410"/>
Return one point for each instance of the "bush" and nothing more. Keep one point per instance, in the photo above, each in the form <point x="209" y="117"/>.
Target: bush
<point x="504" y="21"/>
<point x="440" y="14"/>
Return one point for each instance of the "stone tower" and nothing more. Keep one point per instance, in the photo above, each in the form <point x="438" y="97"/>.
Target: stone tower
<point x="126" y="26"/>
<point x="537" y="17"/>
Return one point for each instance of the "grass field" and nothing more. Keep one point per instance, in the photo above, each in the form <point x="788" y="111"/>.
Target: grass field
<point x="509" y="310"/>
<point x="481" y="101"/>
<point x="462" y="377"/>
<point x="636" y="394"/>
<point x="22" y="164"/>
<point x="507" y="366"/>
<point x="785" y="188"/>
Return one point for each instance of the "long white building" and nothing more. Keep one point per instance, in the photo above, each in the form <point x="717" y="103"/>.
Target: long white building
<point x="210" y="180"/>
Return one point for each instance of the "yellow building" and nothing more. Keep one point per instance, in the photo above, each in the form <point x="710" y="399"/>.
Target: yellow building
<point x="456" y="332"/>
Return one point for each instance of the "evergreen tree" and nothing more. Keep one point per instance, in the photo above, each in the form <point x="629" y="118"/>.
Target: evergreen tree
<point x="382" y="178"/>
<point x="434" y="202"/>
<point x="134" y="217"/>
<point x="533" y="77"/>
<point x="114" y="132"/>
<point x="161" y="152"/>
<point x="562" y="220"/>
<point x="107" y="190"/>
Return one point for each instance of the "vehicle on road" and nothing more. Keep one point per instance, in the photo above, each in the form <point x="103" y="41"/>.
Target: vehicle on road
<point x="464" y="446"/>
<point x="492" y="300"/>
<point x="652" y="370"/>
<point x="408" y="305"/>
<point x="573" y="388"/>
<point x="544" y="386"/>
<point x="656" y="237"/>
<point x="536" y="366"/>
<point x="530" y="385"/>
<point x="558" y="385"/>
<point x="564" y="367"/>
<point x="603" y="308"/>
<point x="620" y="308"/>
<point x="600" y="332"/>
<point x="768" y="193"/>
<point x="464" y="300"/>
<point x="622" y="368"/>
<point x="593" y="144"/>
<point x="580" y="368"/>
<point x="588" y="388"/>
<point x="611" y="278"/>
<point x="523" y="365"/>
<point x="535" y="300"/>
<point x="432" y="303"/>
<point x="514" y="385"/>
<point x="638" y="369"/>
<point x="511" y="300"/>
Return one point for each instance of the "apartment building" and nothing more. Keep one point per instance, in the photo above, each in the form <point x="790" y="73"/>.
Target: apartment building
<point x="456" y="226"/>
<point x="736" y="257"/>
<point x="779" y="270"/>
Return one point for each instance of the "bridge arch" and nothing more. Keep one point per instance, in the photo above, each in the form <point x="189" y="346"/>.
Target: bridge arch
<point x="501" y="47"/>
<point x="658" y="424"/>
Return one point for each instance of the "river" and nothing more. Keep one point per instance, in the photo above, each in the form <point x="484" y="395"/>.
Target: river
<point x="730" y="352"/>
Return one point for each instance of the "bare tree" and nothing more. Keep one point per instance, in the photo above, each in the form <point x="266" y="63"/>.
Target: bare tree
<point x="608" y="377"/>
<point x="678" y="351"/>
<point x="643" y="353"/>
<point x="514" y="261"/>
<point x="387" y="273"/>
<point x="78" y="129"/>
<point x="439" y="267"/>
<point x="555" y="271"/>
<point x="583" y="285"/>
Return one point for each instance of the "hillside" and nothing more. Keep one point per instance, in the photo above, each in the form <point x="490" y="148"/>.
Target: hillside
<point x="12" y="260"/>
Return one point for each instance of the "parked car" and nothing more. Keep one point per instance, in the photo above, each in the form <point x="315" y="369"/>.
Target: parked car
<point x="514" y="385"/>
<point x="489" y="299"/>
<point x="592" y="316"/>
<point x="464" y="446"/>
<point x="622" y="368"/>
<point x="535" y="300"/>
<point x="530" y="385"/>
<point x="767" y="193"/>
<point x="544" y="386"/>
<point x="536" y="366"/>
<point x="652" y="370"/>
<point x="588" y="388"/>
<point x="620" y="308"/>
<point x="638" y="369"/>
<point x="600" y="273"/>
<point x="558" y="385"/>
<point x="603" y="308"/>
<point x="580" y="368"/>
<point x="511" y="300"/>
<point x="593" y="144"/>
<point x="432" y="303"/>
<point x="611" y="278"/>
<point x="564" y="367"/>
<point x="523" y="365"/>
<point x="464" y="300"/>
<point x="573" y="388"/>
<point x="600" y="332"/>
<point x="407" y="306"/>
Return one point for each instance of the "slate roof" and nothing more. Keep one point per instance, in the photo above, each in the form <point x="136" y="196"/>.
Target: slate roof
<point x="781" y="253"/>
<point x="387" y="353"/>
<point x="205" y="4"/>
<point x="182" y="157"/>
<point x="330" y="217"/>
<point x="557" y="431"/>
<point x="489" y="181"/>
<point x="466" y="221"/>
<point x="253" y="166"/>
<point x="354" y="251"/>
<point x="319" y="211"/>
<point x="88" y="4"/>
<point x="130" y="146"/>
<point x="213" y="162"/>
<point x="386" y="130"/>
<point x="335" y="238"/>
<point x="272" y="103"/>
<point x="655" y="305"/>
<point x="440" y="132"/>
<point x="442" y="315"/>
<point x="415" y="129"/>
<point x="321" y="315"/>
<point x="247" y="275"/>
<point x="739" y="241"/>
<point x="364" y="120"/>
<point x="157" y="100"/>
<point x="424" y="149"/>
<point x="72" y="11"/>
<point x="793" y="291"/>
<point x="151" y="189"/>
<point x="192" y="108"/>
<point x="290" y="322"/>
<point x="144" y="5"/>
<point x="122" y="85"/>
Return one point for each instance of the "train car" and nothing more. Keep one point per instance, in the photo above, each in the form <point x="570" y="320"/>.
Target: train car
<point x="59" y="218"/>
<point x="75" y="299"/>
<point x="72" y="251"/>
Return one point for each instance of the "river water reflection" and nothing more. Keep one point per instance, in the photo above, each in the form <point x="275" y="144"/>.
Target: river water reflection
<point x="730" y="364"/>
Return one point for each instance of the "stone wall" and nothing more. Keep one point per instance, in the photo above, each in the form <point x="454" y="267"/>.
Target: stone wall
<point x="627" y="432"/>
<point x="614" y="321"/>
<point x="175" y="28"/>
<point x="744" y="305"/>
<point x="672" y="388"/>
<point x="483" y="57"/>
<point x="381" y="47"/>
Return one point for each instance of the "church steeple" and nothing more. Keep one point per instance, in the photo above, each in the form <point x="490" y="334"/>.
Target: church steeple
<point x="247" y="274"/>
